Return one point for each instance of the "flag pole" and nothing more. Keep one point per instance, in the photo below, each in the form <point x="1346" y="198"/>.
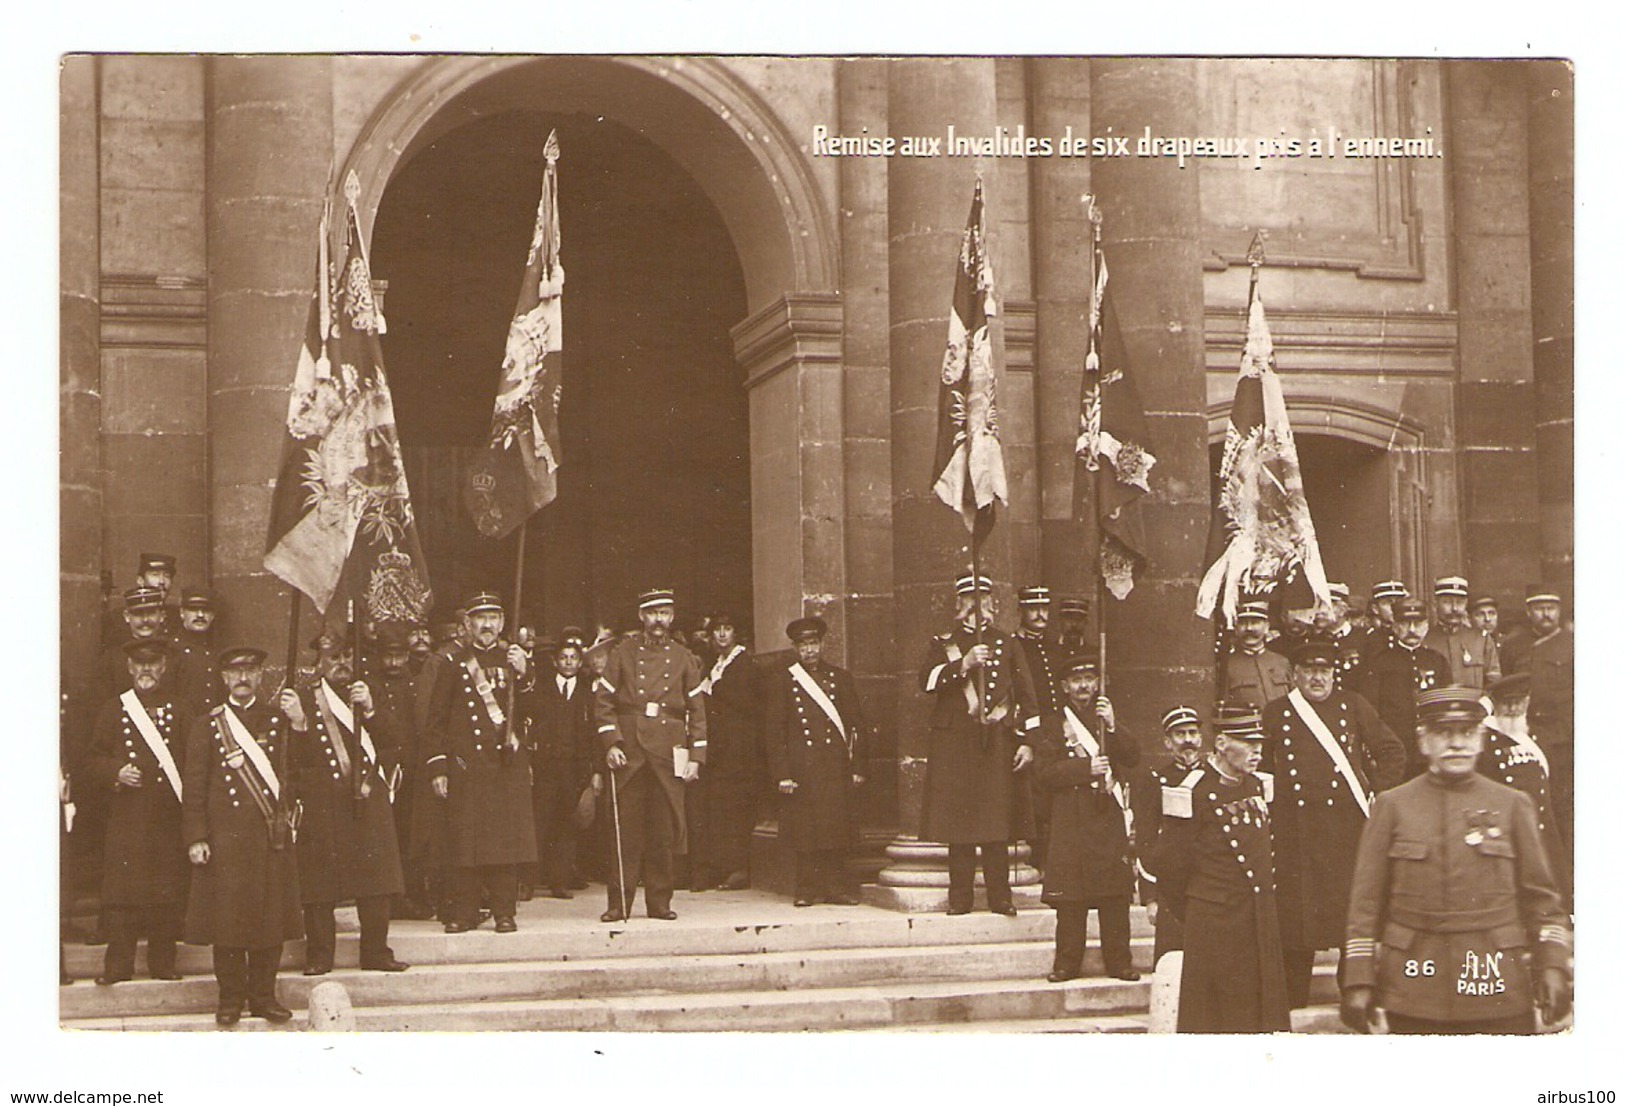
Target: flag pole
<point x="1097" y="476"/>
<point x="509" y="742"/>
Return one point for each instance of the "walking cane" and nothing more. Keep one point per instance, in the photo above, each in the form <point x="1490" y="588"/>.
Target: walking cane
<point x="620" y="863"/>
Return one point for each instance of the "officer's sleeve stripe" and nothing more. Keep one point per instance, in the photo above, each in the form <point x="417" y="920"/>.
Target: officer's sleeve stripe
<point x="935" y="676"/>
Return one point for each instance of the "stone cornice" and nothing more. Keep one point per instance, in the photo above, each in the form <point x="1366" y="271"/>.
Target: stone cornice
<point x="153" y="312"/>
<point x="1393" y="343"/>
<point x="799" y="328"/>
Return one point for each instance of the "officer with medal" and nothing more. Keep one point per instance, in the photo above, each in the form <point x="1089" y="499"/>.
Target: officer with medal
<point x="136" y="758"/>
<point x="1083" y="761"/>
<point x="1513" y="756"/>
<point x="1253" y="674"/>
<point x="1182" y="737"/>
<point x="1549" y="660"/>
<point x="347" y="756"/>
<point x="239" y="820"/>
<point x="1455" y="922"/>
<point x="1474" y="658"/>
<point x="476" y="765"/>
<point x="650" y="708"/>
<point x="983" y="717"/>
<point x="815" y="737"/>
<point x="721" y="804"/>
<point x="1380" y="612"/>
<point x="1401" y="670"/>
<point x="1328" y="751"/>
<point x="1216" y="874"/>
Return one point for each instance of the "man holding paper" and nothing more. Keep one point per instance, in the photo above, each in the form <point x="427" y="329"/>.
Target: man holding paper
<point x="348" y="772"/>
<point x="135" y="758"/>
<point x="1329" y="752"/>
<point x="650" y="707"/>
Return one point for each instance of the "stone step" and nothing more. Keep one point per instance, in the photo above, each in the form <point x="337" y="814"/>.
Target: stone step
<point x="916" y="1004"/>
<point x="602" y="976"/>
<point x="731" y="923"/>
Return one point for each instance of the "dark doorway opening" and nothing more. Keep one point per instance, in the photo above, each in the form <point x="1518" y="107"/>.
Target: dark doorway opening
<point x="654" y="484"/>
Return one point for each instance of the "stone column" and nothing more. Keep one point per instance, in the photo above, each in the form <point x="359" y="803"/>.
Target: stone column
<point x="270" y="147"/>
<point x="1495" y="392"/>
<point x="1551" y="239"/>
<point x="1062" y="236"/>
<point x="1159" y="652"/>
<point x="80" y="475"/>
<point x="866" y="431"/>
<point x="927" y="200"/>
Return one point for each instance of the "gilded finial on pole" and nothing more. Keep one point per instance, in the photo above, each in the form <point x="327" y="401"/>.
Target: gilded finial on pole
<point x="1255" y="252"/>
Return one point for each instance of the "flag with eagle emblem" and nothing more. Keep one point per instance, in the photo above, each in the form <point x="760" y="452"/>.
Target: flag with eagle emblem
<point x="517" y="473"/>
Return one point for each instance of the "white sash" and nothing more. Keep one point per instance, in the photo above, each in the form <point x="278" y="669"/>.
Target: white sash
<point x="483" y="686"/>
<point x="1086" y="741"/>
<point x="719" y="668"/>
<point x="155" y="742"/>
<point x="251" y="749"/>
<point x="1323" y="734"/>
<point x="346" y="718"/>
<point x="816" y="694"/>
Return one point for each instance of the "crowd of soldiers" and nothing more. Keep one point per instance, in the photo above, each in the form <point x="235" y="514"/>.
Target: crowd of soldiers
<point x="1394" y="784"/>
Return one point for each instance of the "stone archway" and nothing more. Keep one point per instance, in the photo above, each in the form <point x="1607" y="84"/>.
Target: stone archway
<point x="707" y="119"/>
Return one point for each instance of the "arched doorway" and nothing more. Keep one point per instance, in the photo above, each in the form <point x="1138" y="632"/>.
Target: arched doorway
<point x="654" y="487"/>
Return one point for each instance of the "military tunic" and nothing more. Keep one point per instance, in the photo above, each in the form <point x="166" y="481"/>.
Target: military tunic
<point x="1454" y="903"/>
<point x="1393" y="678"/>
<point x="144" y="859"/>
<point x="805" y="745"/>
<point x="196" y="674"/>
<point x="1089" y="857"/>
<point x="650" y="702"/>
<point x="1350" y="652"/>
<point x="1520" y="763"/>
<point x="1472" y="655"/>
<point x="1256" y="678"/>
<point x="1317" y="819"/>
<point x="1215" y="872"/>
<point x="247" y="895"/>
<point x="971" y="794"/>
<point x="488" y="803"/>
<point x="347" y="845"/>
<point x="1146" y="796"/>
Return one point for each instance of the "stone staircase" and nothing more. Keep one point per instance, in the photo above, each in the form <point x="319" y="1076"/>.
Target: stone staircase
<point x="732" y="961"/>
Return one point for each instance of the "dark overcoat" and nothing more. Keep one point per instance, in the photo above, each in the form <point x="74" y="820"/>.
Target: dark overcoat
<point x="972" y="794"/>
<point x="347" y="845"/>
<point x="805" y="745"/>
<point x="247" y="895"/>
<point x="488" y="804"/>
<point x="1391" y="679"/>
<point x="144" y="859"/>
<point x="563" y="753"/>
<point x="1089" y="855"/>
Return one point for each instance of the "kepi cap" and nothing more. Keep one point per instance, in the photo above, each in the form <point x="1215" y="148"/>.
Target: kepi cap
<point x="164" y="561"/>
<point x="1389" y="589"/>
<point x="1450" y="585"/>
<point x="806" y="629"/>
<point x="198" y="599"/>
<point x="1410" y="609"/>
<point x="1540" y="593"/>
<point x="1316" y="650"/>
<point x="1450" y="704"/>
<point x="242" y="656"/>
<point x="657" y="597"/>
<point x="483" y="601"/>
<point x="1485" y="602"/>
<point x="1180" y="716"/>
<point x="969" y="584"/>
<point x="143" y="598"/>
<point x="1238" y="719"/>
<point x="147" y="648"/>
<point x="1034" y="596"/>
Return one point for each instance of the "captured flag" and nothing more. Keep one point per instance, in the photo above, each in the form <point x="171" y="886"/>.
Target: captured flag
<point x="341" y="515"/>
<point x="1261" y="531"/>
<point x="517" y="473"/>
<point x="968" y="474"/>
<point x="1113" y="450"/>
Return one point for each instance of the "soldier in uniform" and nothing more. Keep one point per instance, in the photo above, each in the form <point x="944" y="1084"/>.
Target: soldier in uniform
<point x="1253" y="674"/>
<point x="721" y="804"/>
<point x="982" y="721"/>
<point x="394" y="694"/>
<point x="1182" y="736"/>
<point x="143" y="621"/>
<point x="1044" y="663"/>
<point x="197" y="677"/>
<point x="156" y="572"/>
<point x="1474" y="659"/>
<point x="1380" y="612"/>
<point x="1455" y="922"/>
<point x="561" y="759"/>
<point x="1334" y="624"/>
<point x="1398" y="672"/>
<point x="347" y="757"/>
<point x="1513" y="756"/>
<point x="477" y="767"/>
<point x="1215" y="872"/>
<point x="815" y="736"/>
<point x="1072" y="626"/>
<point x="1327" y="751"/>
<point x="1550" y="664"/>
<point x="238" y="821"/>
<point x="1486" y="615"/>
<point x="137" y="752"/>
<point x="650" y="707"/>
<point x="1083" y="761"/>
